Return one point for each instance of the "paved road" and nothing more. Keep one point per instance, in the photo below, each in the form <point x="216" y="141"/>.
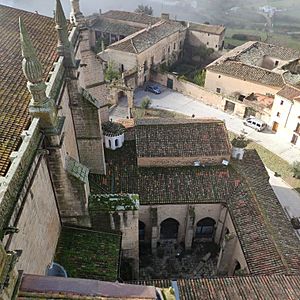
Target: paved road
<point x="177" y="102"/>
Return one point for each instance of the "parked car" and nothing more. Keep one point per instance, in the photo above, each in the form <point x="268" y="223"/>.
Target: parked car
<point x="255" y="123"/>
<point x="153" y="89"/>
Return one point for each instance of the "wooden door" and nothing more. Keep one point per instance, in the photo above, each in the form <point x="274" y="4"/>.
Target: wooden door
<point x="275" y="126"/>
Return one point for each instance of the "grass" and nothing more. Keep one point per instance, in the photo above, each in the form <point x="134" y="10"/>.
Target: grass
<point x="274" y="163"/>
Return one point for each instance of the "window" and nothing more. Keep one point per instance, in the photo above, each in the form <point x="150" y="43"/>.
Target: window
<point x="174" y="46"/>
<point x="218" y="90"/>
<point x="169" y="49"/>
<point x="117" y="143"/>
<point x="281" y="102"/>
<point x="207" y="43"/>
<point x="276" y="63"/>
<point x="180" y="44"/>
<point x="145" y="66"/>
<point x="208" y="34"/>
<point x="297" y="130"/>
<point x="216" y="46"/>
<point x="278" y="114"/>
<point x="219" y="76"/>
<point x="205" y="228"/>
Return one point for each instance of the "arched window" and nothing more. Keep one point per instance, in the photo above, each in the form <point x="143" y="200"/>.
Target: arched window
<point x="205" y="228"/>
<point x="142" y="227"/>
<point x="109" y="142"/>
<point x="169" y="229"/>
<point x="117" y="143"/>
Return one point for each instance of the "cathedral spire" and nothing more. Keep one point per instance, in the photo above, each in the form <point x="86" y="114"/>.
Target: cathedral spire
<point x="40" y="106"/>
<point x="64" y="47"/>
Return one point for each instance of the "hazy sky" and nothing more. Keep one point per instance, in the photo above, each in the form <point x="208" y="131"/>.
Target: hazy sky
<point x="46" y="7"/>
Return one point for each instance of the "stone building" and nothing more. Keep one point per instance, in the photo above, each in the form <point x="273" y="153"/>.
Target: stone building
<point x="67" y="202"/>
<point x="182" y="200"/>
<point x="285" y="118"/>
<point x="253" y="67"/>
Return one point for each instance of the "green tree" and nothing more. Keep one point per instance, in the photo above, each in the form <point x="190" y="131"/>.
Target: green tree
<point x="199" y="78"/>
<point x="110" y="73"/>
<point x="144" y="9"/>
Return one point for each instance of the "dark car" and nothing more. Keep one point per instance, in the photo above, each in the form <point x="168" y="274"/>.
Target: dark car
<point x="153" y="89"/>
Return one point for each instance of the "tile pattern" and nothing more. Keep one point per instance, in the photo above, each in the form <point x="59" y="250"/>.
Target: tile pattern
<point x="14" y="96"/>
<point x="131" y="17"/>
<point x="181" y="138"/>
<point x="241" y="288"/>
<point x="212" y="29"/>
<point x="147" y="37"/>
<point x="289" y="92"/>
<point x="268" y="241"/>
<point x="89" y="254"/>
<point x="109" y="26"/>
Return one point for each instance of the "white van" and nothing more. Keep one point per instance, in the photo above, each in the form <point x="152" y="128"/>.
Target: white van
<point x="254" y="123"/>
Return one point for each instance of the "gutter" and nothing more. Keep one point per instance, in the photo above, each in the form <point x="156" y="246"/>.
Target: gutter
<point x="176" y="290"/>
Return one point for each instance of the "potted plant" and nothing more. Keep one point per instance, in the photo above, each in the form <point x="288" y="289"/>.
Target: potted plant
<point x="239" y="144"/>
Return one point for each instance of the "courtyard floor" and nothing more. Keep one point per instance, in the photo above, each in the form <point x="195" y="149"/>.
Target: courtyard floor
<point x="172" y="261"/>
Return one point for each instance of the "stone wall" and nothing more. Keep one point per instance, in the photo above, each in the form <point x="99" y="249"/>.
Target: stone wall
<point x="229" y="85"/>
<point x="39" y="224"/>
<point x="199" y="38"/>
<point x="190" y="89"/>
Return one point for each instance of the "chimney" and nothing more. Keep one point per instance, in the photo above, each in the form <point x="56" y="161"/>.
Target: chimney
<point x="165" y="16"/>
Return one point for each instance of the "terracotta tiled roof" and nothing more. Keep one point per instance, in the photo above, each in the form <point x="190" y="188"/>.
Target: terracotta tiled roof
<point x="14" y="96"/>
<point x="131" y="17"/>
<point x="146" y="38"/>
<point x="212" y="29"/>
<point x="248" y="72"/>
<point x="181" y="138"/>
<point x="267" y="224"/>
<point x="90" y="254"/>
<point x="289" y="92"/>
<point x="241" y="288"/>
<point x="271" y="287"/>
<point x="110" y="26"/>
<point x="268" y="241"/>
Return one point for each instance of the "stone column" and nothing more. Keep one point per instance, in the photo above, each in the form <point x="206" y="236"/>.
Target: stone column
<point x="226" y="254"/>
<point x="189" y="231"/>
<point x="154" y="229"/>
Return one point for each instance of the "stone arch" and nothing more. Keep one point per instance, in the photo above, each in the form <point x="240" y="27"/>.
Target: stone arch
<point x="205" y="228"/>
<point x="169" y="229"/>
<point x="142" y="230"/>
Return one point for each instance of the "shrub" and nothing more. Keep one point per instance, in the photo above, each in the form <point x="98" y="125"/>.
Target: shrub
<point x="240" y="141"/>
<point x="110" y="73"/>
<point x="146" y="103"/>
<point x="296" y="169"/>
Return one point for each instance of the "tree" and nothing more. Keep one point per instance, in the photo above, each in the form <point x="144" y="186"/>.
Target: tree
<point x="144" y="9"/>
<point x="110" y="73"/>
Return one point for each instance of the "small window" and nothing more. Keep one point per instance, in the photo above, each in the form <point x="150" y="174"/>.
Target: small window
<point x="208" y="34"/>
<point x="117" y="143"/>
<point x="281" y="102"/>
<point x="298" y="128"/>
<point x="276" y="63"/>
<point x="219" y="76"/>
<point x="174" y="46"/>
<point x="218" y="90"/>
<point x="109" y="143"/>
<point x="216" y="46"/>
<point x="169" y="49"/>
<point x="180" y="44"/>
<point x="207" y="43"/>
<point x="278" y="114"/>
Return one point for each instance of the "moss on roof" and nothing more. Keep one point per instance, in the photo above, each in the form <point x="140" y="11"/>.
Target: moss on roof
<point x="89" y="254"/>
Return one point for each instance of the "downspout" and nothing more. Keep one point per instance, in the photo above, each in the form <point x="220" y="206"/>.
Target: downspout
<point x="289" y="114"/>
